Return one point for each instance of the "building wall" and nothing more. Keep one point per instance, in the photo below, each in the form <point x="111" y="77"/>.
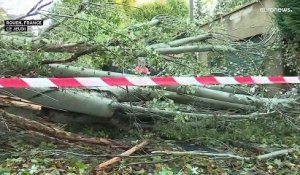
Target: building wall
<point x="245" y="22"/>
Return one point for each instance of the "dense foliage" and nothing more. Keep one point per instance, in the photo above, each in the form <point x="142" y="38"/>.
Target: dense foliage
<point x="177" y="8"/>
<point x="109" y="25"/>
<point x="288" y="23"/>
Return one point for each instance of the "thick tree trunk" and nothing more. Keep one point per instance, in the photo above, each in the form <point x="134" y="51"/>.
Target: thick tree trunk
<point x="90" y="103"/>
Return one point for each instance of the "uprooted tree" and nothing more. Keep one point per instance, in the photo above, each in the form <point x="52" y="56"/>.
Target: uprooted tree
<point x="168" y="45"/>
<point x="80" y="42"/>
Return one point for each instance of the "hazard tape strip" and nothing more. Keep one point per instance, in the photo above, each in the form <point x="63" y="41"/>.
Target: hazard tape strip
<point x="77" y="82"/>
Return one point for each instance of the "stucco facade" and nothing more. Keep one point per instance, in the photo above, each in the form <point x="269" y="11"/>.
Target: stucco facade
<point x="246" y="21"/>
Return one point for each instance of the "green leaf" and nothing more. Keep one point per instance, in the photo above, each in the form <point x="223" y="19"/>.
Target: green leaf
<point x="278" y="162"/>
<point x="5" y="171"/>
<point x="55" y="172"/>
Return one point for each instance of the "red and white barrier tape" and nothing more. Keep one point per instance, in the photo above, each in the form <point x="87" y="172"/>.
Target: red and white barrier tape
<point x="86" y="82"/>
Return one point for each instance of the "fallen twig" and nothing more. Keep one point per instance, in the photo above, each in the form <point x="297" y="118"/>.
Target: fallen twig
<point x="105" y="165"/>
<point x="275" y="154"/>
<point x="225" y="155"/>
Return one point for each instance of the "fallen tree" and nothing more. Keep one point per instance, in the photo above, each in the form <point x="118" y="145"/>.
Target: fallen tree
<point x="218" y="105"/>
<point x="90" y="103"/>
<point x="204" y="93"/>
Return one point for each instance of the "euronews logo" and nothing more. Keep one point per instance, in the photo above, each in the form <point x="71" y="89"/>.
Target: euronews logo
<point x="276" y="10"/>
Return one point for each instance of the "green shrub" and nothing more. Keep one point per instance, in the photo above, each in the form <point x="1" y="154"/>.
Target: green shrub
<point x="177" y="8"/>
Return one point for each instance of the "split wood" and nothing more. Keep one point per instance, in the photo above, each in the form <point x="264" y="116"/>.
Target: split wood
<point x="17" y="102"/>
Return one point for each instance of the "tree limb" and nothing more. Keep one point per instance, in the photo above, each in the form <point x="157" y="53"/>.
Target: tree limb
<point x="74" y="57"/>
<point x="28" y="124"/>
<point x="186" y="49"/>
<point x="187" y="40"/>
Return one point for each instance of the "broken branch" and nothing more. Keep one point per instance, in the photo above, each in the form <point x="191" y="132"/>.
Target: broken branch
<point x="28" y="124"/>
<point x="17" y="103"/>
<point x="74" y="57"/>
<point x="186" y="49"/>
<point x="105" y="165"/>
